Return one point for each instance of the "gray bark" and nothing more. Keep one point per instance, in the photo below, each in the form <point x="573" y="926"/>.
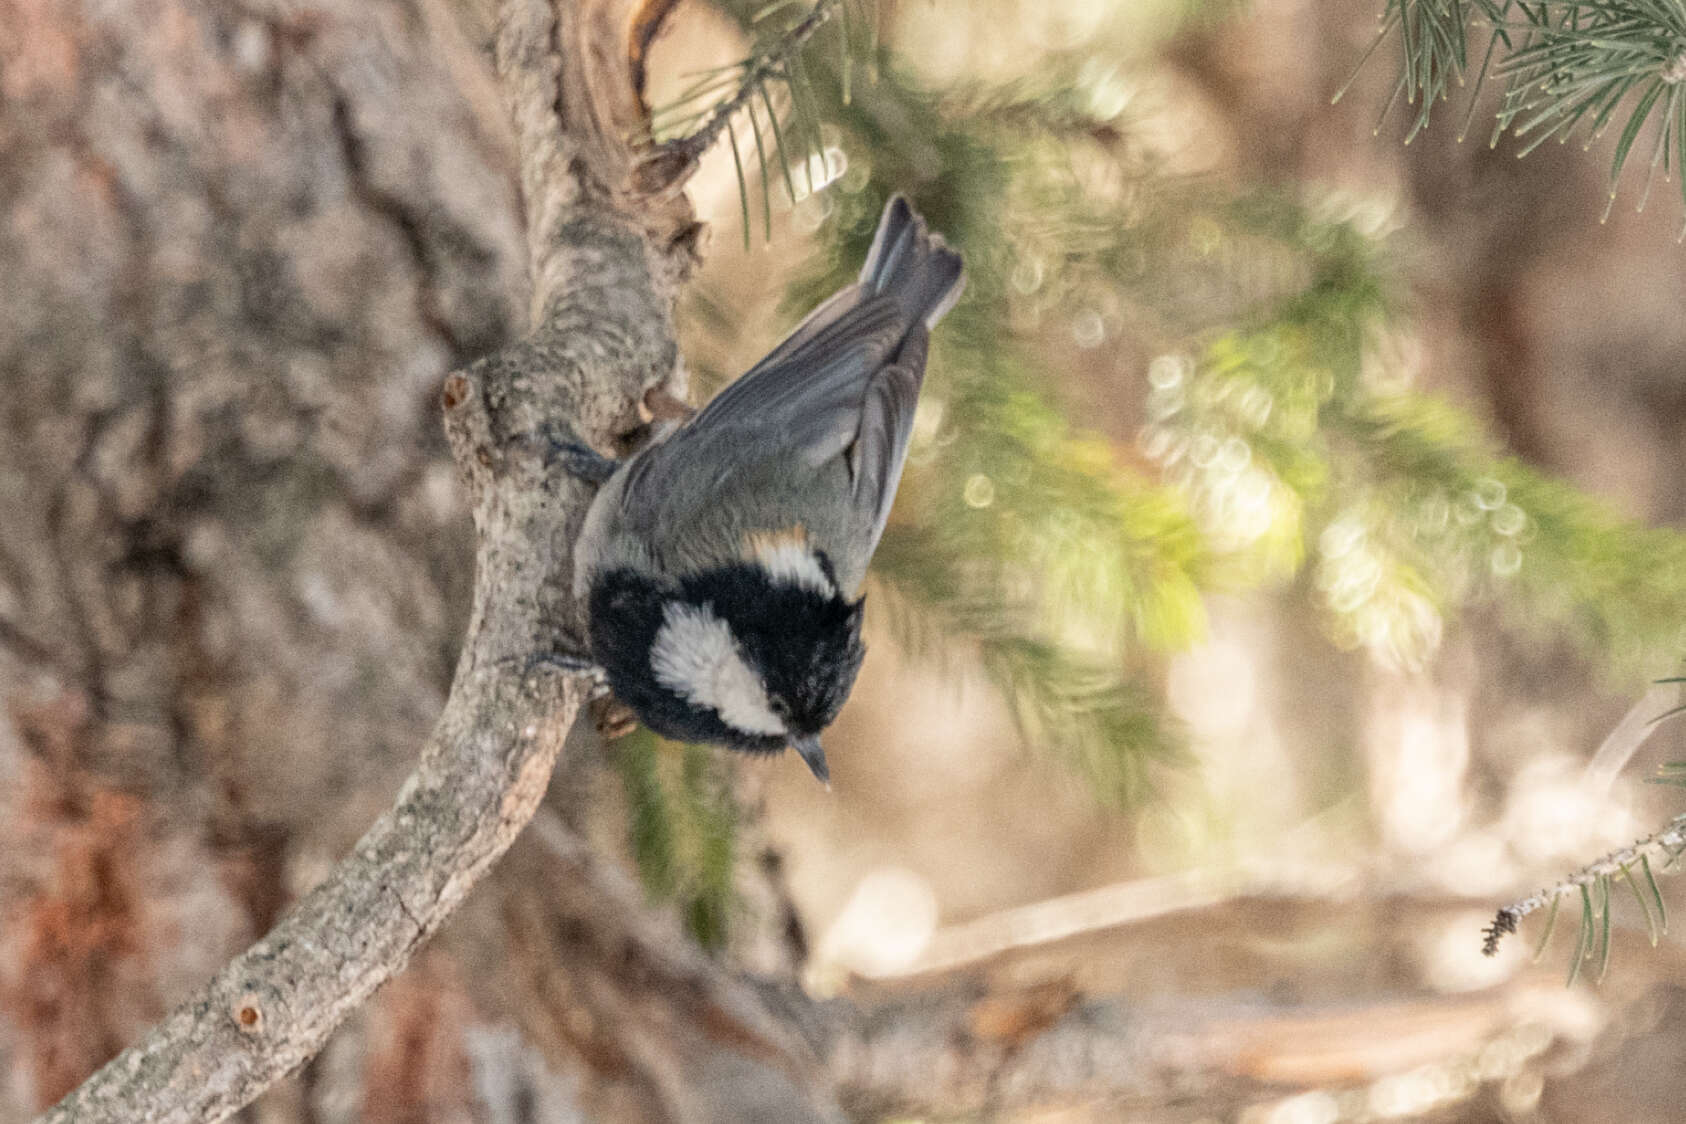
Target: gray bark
<point x="240" y="247"/>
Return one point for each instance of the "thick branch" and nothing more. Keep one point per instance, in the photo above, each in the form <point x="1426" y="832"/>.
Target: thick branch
<point x="574" y="122"/>
<point x="1042" y="1024"/>
<point x="605" y="338"/>
<point x="961" y="1051"/>
<point x="482" y="772"/>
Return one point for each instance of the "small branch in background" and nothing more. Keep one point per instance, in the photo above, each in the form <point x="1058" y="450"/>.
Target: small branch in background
<point x="1629" y="734"/>
<point x="1631" y="863"/>
<point x="711" y="106"/>
<point x="1117" y="905"/>
<point x="1565" y="67"/>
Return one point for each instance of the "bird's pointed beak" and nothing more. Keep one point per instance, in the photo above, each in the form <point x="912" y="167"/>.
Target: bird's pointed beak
<point x="809" y="748"/>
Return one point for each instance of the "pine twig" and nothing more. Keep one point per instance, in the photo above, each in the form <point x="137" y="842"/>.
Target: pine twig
<point x="757" y="73"/>
<point x="1669" y="840"/>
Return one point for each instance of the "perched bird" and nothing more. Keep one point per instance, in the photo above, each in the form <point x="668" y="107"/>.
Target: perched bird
<point x="722" y="566"/>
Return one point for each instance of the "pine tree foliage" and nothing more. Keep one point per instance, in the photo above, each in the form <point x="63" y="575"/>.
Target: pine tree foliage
<point x="767" y="96"/>
<point x="1283" y="447"/>
<point x="1567" y="68"/>
<point x="681" y="829"/>
<point x="1406" y="510"/>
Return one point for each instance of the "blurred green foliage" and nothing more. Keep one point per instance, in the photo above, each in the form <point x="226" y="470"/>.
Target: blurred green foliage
<point x="1280" y="445"/>
<point x="681" y="827"/>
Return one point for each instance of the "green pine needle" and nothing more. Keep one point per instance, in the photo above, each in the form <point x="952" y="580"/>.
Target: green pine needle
<point x="703" y="111"/>
<point x="1583" y="940"/>
<point x="681" y="829"/>
<point x="1656" y="895"/>
<point x="1639" y="895"/>
<point x="1567" y="66"/>
<point x="1545" y="933"/>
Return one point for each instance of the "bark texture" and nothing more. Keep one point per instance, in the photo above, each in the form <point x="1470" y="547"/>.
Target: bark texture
<point x="241" y="245"/>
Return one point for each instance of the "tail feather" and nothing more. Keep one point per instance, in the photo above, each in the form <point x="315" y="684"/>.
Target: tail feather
<point x="912" y="265"/>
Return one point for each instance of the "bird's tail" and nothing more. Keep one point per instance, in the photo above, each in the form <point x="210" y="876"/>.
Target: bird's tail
<point x="915" y="266"/>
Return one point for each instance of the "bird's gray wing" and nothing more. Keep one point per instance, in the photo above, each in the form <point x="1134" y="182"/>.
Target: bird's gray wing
<point x="879" y="450"/>
<point x="801" y="410"/>
<point x="827" y="370"/>
<point x="839" y="393"/>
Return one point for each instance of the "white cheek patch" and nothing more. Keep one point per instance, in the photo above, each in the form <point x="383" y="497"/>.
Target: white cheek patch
<point x="696" y="657"/>
<point x="788" y="560"/>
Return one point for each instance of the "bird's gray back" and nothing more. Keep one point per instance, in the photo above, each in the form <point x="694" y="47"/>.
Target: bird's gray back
<point x="808" y="445"/>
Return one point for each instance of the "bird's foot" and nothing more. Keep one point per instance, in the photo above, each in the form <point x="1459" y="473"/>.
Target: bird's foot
<point x="664" y="407"/>
<point x="572" y="663"/>
<point x="582" y="461"/>
<point x="613" y="718"/>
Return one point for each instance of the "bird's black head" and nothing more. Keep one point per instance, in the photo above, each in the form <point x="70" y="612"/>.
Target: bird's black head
<point x="729" y="656"/>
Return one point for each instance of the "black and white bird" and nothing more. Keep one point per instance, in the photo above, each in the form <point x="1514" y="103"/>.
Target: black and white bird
<point x="722" y="566"/>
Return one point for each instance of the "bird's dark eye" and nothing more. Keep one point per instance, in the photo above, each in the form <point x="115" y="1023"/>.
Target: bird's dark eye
<point x="780" y="707"/>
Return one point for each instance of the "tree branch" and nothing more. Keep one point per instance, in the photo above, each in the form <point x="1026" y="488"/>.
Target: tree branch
<point x="1035" y="1025"/>
<point x="962" y="1050"/>
<point x="606" y="265"/>
<point x="589" y="969"/>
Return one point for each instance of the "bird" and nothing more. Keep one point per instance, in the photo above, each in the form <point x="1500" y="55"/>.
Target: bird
<point x="721" y="566"/>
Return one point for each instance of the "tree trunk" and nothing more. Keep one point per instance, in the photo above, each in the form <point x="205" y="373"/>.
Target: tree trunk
<point x="242" y="246"/>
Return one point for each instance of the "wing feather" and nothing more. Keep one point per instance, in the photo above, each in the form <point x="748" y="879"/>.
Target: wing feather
<point x="844" y="384"/>
<point x="880" y="447"/>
